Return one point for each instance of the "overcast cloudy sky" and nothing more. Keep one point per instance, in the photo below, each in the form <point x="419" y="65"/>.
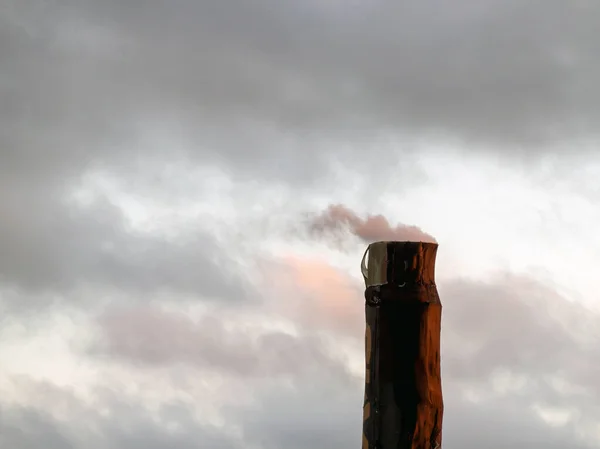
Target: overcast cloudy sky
<point x="166" y="170"/>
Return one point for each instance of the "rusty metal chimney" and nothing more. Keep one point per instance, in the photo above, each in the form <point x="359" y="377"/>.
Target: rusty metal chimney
<point x="403" y="404"/>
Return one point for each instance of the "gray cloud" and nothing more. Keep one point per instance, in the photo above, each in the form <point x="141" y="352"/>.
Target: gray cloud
<point x="519" y="325"/>
<point x="129" y="425"/>
<point x="253" y="87"/>
<point x="283" y="91"/>
<point x="503" y="423"/>
<point x="261" y="84"/>
<point x="153" y="337"/>
<point x="414" y="66"/>
<point x="514" y="326"/>
<point x="50" y="245"/>
<point x="313" y="413"/>
<point x="30" y="429"/>
<point x="318" y="414"/>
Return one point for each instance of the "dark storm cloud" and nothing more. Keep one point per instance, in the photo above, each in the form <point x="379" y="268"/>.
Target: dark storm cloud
<point x="497" y="72"/>
<point x="256" y="86"/>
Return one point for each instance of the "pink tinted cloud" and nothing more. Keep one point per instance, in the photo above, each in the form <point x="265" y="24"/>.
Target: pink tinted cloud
<point x="312" y="293"/>
<point x="153" y="336"/>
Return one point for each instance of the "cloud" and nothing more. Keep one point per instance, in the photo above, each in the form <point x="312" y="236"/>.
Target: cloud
<point x="153" y="337"/>
<point x="111" y="422"/>
<point x="59" y="231"/>
<point x="90" y="88"/>
<point x="312" y="414"/>
<point x="276" y="93"/>
<point x="504" y="423"/>
<point x="516" y="324"/>
<point x="282" y="89"/>
<point x="511" y="346"/>
<point x="318" y="295"/>
<point x="30" y="429"/>
<point x="295" y="416"/>
<point x="51" y="245"/>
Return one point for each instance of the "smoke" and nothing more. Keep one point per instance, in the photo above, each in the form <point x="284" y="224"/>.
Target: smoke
<point x="370" y="229"/>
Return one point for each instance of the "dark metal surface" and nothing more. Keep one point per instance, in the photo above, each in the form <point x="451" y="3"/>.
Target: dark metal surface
<point x="403" y="405"/>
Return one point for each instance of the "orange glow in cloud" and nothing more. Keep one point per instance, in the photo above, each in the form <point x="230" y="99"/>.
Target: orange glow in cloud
<point x="313" y="293"/>
<point x="370" y="229"/>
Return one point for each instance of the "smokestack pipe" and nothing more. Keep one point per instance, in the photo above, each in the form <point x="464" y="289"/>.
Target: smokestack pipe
<point x="403" y="404"/>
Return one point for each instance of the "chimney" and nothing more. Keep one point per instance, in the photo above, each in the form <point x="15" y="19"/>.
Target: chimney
<point x="403" y="404"/>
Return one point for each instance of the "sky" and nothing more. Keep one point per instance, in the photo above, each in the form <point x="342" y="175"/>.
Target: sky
<point x="187" y="188"/>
